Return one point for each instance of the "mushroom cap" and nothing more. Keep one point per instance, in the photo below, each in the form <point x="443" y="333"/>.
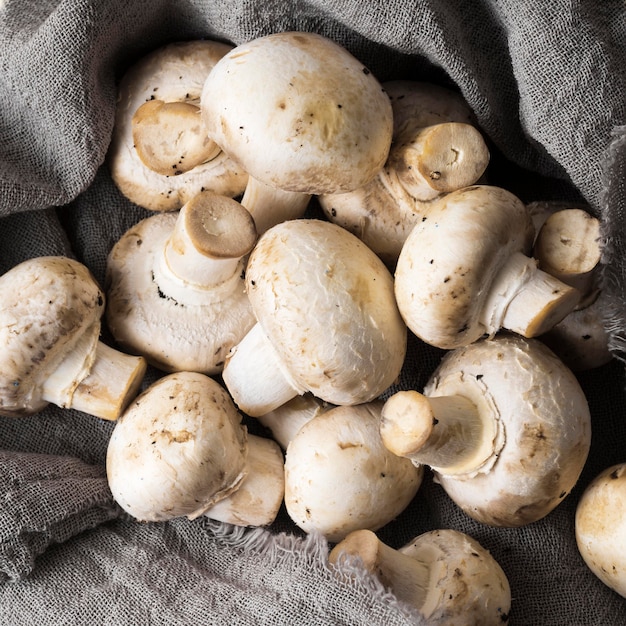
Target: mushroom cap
<point x="299" y="113"/>
<point x="326" y="303"/>
<point x="46" y="304"/>
<point x="339" y="476"/>
<point x="468" y="585"/>
<point x="171" y="334"/>
<point x="544" y="421"/>
<point x="451" y="257"/>
<point x="173" y="74"/>
<point x="178" y="449"/>
<point x="600" y="525"/>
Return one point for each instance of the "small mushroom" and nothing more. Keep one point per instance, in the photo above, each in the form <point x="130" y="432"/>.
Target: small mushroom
<point x="463" y="272"/>
<point x="160" y="155"/>
<point x="568" y="247"/>
<point x="446" y="574"/>
<point x="339" y="476"/>
<point x="327" y="321"/>
<point x="175" y="285"/>
<point x="301" y="115"/>
<point x="181" y="449"/>
<point x="600" y="527"/>
<point x="50" y="348"/>
<point x="504" y="425"/>
<point x="436" y="149"/>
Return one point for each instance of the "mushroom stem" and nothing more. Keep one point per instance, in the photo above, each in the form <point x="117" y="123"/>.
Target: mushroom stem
<point x="525" y="299"/>
<point x="448" y="433"/>
<point x="568" y="248"/>
<point x="257" y="500"/>
<point x="101" y="382"/>
<point x="408" y="577"/>
<point x="255" y="376"/>
<point x="211" y="236"/>
<point x="441" y="158"/>
<point x="170" y="137"/>
<point x="270" y="206"/>
<point x="286" y="420"/>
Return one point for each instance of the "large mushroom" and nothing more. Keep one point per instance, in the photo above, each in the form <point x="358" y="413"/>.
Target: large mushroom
<point x="464" y="272"/>
<point x="181" y="449"/>
<point x="50" y="348"/>
<point x="301" y="115"/>
<point x="175" y="285"/>
<point x="504" y="425"/>
<point x="600" y="527"/>
<point x="339" y="477"/>
<point x="446" y="574"/>
<point x="436" y="148"/>
<point x="327" y="320"/>
<point x="160" y="155"/>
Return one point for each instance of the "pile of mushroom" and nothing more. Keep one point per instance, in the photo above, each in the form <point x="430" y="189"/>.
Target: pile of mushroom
<point x="436" y="149"/>
<point x="160" y="155"/>
<point x="447" y="575"/>
<point x="306" y="324"/>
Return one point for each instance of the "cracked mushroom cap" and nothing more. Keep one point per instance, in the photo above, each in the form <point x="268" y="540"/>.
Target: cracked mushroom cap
<point x="48" y="306"/>
<point x="299" y="113"/>
<point x="160" y="155"/>
<point x="542" y="434"/>
<point x="177" y="450"/>
<point x="339" y="477"/>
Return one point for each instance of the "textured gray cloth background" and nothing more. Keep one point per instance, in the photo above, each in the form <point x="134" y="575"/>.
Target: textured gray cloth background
<point x="547" y="83"/>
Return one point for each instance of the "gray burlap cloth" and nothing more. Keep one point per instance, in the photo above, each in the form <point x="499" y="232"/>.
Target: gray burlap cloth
<point x="547" y="83"/>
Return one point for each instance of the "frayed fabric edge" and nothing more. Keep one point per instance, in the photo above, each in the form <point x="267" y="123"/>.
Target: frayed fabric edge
<point x="312" y="551"/>
<point x="614" y="244"/>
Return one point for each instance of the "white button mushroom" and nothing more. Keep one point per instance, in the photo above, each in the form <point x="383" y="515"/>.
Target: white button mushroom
<point x="446" y="574"/>
<point x="327" y="320"/>
<point x="301" y="115"/>
<point x="463" y="272"/>
<point x="181" y="448"/>
<point x="339" y="476"/>
<point x="175" y="285"/>
<point x="436" y="149"/>
<point x="160" y="155"/>
<point x="600" y="526"/>
<point x="568" y="247"/>
<point x="50" y="352"/>
<point x="503" y="423"/>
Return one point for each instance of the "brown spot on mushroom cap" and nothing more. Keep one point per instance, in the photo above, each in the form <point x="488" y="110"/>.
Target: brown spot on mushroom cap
<point x="178" y="449"/>
<point x="289" y="131"/>
<point x="446" y="314"/>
